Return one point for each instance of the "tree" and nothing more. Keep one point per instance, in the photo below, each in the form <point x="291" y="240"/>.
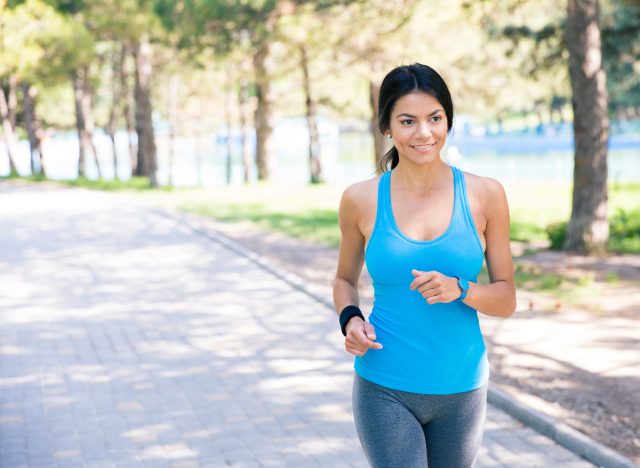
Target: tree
<point x="44" y="46"/>
<point x="132" y="24"/>
<point x="620" y="26"/>
<point x="588" y="228"/>
<point x="147" y="165"/>
<point x="224" y="26"/>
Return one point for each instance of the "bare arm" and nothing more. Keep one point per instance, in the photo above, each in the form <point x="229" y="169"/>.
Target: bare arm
<point x="351" y="254"/>
<point x="360" y="334"/>
<point x="497" y="299"/>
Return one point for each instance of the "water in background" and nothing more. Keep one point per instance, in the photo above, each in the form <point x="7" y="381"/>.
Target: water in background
<point x="346" y="156"/>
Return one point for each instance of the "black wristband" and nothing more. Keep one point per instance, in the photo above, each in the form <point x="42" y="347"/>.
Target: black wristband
<point x="347" y="314"/>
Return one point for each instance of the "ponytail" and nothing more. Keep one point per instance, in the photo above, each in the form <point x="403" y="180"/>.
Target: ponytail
<point x="391" y="158"/>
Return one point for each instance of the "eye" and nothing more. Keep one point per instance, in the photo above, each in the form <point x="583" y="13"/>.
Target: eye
<point x="406" y="122"/>
<point x="436" y="118"/>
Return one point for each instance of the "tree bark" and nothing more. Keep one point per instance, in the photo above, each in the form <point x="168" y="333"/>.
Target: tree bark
<point x="144" y="125"/>
<point x="12" y="99"/>
<point x="172" y="114"/>
<point x="379" y="142"/>
<point x="8" y="133"/>
<point x="34" y="132"/>
<point x="263" y="115"/>
<point x="126" y="92"/>
<point x="116" y="98"/>
<point x="315" y="167"/>
<point x="243" y="105"/>
<point x="84" y="119"/>
<point x="588" y="229"/>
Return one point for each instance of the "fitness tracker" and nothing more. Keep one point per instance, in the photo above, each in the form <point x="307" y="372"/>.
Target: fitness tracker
<point x="463" y="284"/>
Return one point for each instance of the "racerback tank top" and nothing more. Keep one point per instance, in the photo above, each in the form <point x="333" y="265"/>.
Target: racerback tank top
<point x="427" y="348"/>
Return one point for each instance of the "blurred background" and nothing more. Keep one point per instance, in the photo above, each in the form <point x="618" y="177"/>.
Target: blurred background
<point x="210" y="94"/>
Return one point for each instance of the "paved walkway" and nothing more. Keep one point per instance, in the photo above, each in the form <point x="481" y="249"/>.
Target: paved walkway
<point x="128" y="339"/>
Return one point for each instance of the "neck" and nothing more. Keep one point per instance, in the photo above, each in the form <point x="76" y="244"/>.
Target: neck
<point x="413" y="177"/>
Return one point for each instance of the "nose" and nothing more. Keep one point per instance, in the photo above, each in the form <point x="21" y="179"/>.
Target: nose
<point x="422" y="130"/>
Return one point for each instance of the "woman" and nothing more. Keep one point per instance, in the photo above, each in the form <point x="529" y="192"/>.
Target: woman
<point x="423" y="228"/>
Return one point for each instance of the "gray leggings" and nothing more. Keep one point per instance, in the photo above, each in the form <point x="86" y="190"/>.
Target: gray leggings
<point x="407" y="430"/>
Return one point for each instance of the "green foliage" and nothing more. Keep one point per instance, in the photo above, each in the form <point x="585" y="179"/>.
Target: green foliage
<point x="624" y="232"/>
<point x="557" y="233"/>
<point x="525" y="231"/>
<point x="40" y="45"/>
<point x="620" y="26"/>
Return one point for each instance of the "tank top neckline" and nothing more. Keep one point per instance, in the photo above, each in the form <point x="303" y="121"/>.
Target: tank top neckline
<point x="392" y="220"/>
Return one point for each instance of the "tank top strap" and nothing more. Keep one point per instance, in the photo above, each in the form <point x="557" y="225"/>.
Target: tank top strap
<point x="463" y="212"/>
<point x="384" y="214"/>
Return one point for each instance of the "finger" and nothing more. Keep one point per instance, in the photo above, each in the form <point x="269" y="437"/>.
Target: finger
<point x="370" y="337"/>
<point x="430" y="286"/>
<point x="435" y="299"/>
<point x="369" y="331"/>
<point x="364" y="342"/>
<point x="424" y="277"/>
<point x="355" y="351"/>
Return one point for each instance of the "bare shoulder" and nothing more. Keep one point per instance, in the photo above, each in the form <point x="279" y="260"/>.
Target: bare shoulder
<point x="361" y="196"/>
<point x="485" y="190"/>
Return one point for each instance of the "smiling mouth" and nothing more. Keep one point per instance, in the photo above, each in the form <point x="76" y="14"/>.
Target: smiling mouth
<point x="423" y="148"/>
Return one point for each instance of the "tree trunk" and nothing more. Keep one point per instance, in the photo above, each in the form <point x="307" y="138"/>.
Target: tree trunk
<point x="243" y="105"/>
<point x="227" y="113"/>
<point x="588" y="229"/>
<point x="8" y="133"/>
<point x="172" y="111"/>
<point x="263" y="116"/>
<point x="126" y="92"/>
<point x="144" y="125"/>
<point x="379" y="142"/>
<point x="116" y="99"/>
<point x="84" y="119"/>
<point x="12" y="99"/>
<point x="34" y="132"/>
<point x="312" y="125"/>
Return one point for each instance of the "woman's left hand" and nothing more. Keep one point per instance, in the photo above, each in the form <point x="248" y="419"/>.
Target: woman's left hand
<point x="435" y="287"/>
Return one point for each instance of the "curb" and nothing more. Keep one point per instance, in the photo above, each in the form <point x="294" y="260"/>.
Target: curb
<point x="560" y="433"/>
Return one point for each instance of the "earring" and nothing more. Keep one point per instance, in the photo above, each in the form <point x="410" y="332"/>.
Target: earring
<point x="389" y="135"/>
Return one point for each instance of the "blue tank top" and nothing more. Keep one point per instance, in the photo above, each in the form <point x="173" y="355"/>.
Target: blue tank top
<point x="427" y="348"/>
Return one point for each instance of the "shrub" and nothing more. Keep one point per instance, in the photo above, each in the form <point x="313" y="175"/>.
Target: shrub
<point x="557" y="233"/>
<point x="624" y="232"/>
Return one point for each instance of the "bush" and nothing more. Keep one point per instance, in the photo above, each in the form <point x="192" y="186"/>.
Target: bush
<point x="624" y="232"/>
<point x="557" y="233"/>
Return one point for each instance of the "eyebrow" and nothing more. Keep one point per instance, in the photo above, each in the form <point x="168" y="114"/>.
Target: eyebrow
<point x="413" y="116"/>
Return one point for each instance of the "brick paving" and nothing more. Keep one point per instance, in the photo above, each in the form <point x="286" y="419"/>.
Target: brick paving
<point x="127" y="339"/>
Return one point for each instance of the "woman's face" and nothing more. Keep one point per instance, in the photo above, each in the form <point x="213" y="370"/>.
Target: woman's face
<point x="418" y="127"/>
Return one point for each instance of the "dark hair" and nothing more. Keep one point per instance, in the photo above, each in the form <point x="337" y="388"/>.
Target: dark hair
<point x="404" y="80"/>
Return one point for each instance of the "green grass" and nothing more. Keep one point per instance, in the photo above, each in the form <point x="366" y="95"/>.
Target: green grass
<point x="317" y="225"/>
<point x="310" y="211"/>
<point x="111" y="185"/>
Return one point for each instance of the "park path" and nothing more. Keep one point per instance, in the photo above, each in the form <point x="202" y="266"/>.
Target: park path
<point x="127" y="338"/>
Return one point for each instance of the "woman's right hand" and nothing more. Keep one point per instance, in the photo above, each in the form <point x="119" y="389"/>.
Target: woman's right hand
<point x="360" y="337"/>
